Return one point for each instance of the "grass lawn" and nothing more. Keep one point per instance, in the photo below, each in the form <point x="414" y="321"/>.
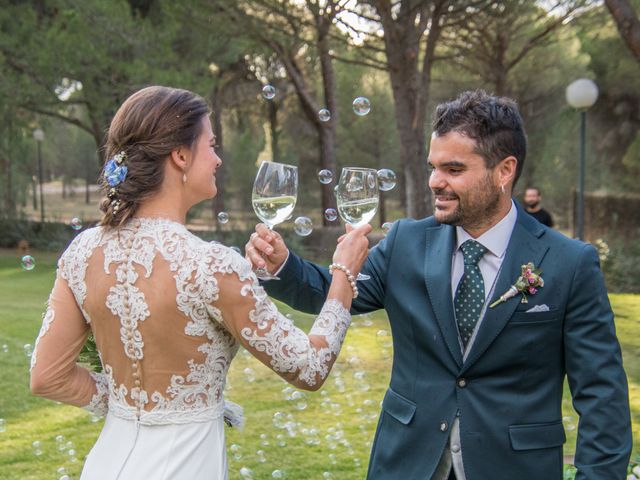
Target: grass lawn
<point x="326" y="434"/>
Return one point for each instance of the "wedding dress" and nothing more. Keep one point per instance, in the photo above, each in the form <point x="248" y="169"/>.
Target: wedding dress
<point x="168" y="312"/>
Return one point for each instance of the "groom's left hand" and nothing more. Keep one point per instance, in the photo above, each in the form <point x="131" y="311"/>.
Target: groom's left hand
<point x="266" y="249"/>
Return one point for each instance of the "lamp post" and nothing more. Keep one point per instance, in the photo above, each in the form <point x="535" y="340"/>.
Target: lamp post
<point x="38" y="135"/>
<point x="581" y="95"/>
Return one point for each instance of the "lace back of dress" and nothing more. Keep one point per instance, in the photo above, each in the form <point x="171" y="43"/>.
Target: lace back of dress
<point x="147" y="299"/>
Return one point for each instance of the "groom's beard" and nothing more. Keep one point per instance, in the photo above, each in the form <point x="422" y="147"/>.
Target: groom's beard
<point x="533" y="204"/>
<point x="476" y="207"/>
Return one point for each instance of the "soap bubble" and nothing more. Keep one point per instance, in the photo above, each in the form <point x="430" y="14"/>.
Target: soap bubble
<point x="236" y="451"/>
<point x="3" y="426"/>
<point x="386" y="226"/>
<point x="76" y="223"/>
<point x="298" y="395"/>
<point x="386" y="179"/>
<point x="268" y="92"/>
<point x="28" y="349"/>
<point x="246" y="473"/>
<point x="277" y="474"/>
<point x="383" y="337"/>
<point x="361" y="106"/>
<point x="36" y="448"/>
<point x="325" y="176"/>
<point x="569" y="423"/>
<point x="279" y="419"/>
<point x="300" y="399"/>
<point x="288" y="390"/>
<point x="28" y="263"/>
<point x="324" y="115"/>
<point x="331" y="214"/>
<point x="223" y="217"/>
<point x="303" y="226"/>
<point x="249" y="374"/>
<point x="261" y="457"/>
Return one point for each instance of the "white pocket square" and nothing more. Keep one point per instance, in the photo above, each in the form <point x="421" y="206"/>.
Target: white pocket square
<point x="538" y="308"/>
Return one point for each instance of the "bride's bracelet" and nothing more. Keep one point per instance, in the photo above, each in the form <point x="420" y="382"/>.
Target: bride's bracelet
<point x="350" y="277"/>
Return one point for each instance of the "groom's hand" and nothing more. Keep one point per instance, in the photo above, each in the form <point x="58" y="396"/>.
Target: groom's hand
<point x="266" y="249"/>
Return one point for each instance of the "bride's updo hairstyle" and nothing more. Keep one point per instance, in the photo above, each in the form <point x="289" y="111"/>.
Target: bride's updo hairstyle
<point x="146" y="128"/>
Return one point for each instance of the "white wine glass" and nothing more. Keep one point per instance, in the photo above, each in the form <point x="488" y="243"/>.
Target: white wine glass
<point x="275" y="191"/>
<point x="357" y="197"/>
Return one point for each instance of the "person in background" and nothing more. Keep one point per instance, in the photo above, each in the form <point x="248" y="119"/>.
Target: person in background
<point x="532" y="199"/>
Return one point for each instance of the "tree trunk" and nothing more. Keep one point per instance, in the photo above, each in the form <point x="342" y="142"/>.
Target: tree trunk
<point x="327" y="161"/>
<point x="218" y="201"/>
<point x="327" y="130"/>
<point x="410" y="85"/>
<point x="628" y="24"/>
<point x="272" y="110"/>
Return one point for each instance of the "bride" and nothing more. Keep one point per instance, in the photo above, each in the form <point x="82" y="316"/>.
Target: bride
<point x="169" y="311"/>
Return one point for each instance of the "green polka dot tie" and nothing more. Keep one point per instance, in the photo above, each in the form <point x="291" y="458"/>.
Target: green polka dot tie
<point x="470" y="292"/>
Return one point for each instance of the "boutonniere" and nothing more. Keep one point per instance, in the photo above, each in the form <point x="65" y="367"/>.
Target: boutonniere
<point x="527" y="283"/>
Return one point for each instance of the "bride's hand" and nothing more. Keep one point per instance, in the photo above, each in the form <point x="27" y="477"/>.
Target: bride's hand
<point x="353" y="248"/>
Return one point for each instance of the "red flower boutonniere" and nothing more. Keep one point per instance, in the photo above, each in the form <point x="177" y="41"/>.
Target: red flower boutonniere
<point x="527" y="283"/>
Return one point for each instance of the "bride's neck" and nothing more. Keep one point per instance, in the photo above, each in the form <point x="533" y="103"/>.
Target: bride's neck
<point x="161" y="208"/>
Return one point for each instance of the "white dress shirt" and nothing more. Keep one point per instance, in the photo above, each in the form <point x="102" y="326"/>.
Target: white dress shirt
<point x="495" y="240"/>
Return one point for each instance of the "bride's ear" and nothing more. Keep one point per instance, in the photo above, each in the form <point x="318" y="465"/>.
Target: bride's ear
<point x="179" y="157"/>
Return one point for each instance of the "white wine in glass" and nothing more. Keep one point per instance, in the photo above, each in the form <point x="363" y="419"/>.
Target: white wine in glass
<point x="357" y="197"/>
<point x="275" y="191"/>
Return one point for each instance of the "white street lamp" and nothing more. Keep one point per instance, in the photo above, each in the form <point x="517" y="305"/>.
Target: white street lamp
<point x="581" y="95"/>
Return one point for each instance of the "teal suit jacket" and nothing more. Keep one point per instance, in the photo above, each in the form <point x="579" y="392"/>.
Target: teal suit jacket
<point x="509" y="404"/>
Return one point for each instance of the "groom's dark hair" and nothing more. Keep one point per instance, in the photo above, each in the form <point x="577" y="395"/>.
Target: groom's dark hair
<point x="493" y="122"/>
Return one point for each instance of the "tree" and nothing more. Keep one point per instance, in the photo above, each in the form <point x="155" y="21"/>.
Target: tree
<point x="410" y="31"/>
<point x="494" y="41"/>
<point x="523" y="50"/>
<point x="628" y="24"/>
<point x="300" y="34"/>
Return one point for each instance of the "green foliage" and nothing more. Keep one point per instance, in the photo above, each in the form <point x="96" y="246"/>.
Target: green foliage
<point x="620" y="260"/>
<point x="47" y="236"/>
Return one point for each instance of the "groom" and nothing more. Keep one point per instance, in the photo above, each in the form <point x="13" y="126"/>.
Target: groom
<point x="476" y="386"/>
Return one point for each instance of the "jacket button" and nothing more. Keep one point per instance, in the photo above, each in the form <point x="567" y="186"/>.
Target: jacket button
<point x="455" y="448"/>
<point x="443" y="426"/>
<point x="462" y="383"/>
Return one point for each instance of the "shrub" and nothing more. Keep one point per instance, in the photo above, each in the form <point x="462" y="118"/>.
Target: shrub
<point x="620" y="261"/>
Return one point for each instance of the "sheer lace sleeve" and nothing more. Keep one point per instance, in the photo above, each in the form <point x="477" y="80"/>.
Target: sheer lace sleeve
<point x="244" y="308"/>
<point x="54" y="372"/>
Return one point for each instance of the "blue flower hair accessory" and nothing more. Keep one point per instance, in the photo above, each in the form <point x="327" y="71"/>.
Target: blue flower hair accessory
<point x="115" y="173"/>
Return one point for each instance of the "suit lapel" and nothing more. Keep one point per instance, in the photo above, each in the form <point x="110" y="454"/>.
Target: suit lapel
<point x="439" y="248"/>
<point x="523" y="248"/>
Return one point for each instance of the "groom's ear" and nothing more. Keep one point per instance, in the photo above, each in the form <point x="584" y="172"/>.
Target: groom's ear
<point x="506" y="170"/>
